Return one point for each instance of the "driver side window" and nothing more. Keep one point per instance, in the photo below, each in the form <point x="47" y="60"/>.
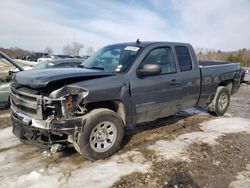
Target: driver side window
<point x="162" y="56"/>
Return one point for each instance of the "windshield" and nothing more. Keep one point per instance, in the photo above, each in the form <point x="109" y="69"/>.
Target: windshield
<point x="43" y="65"/>
<point x="112" y="58"/>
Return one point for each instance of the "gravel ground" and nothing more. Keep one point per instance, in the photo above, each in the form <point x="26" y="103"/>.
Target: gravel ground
<point x="190" y="149"/>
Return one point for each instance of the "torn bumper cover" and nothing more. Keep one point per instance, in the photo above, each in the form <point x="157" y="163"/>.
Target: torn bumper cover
<point x="46" y="120"/>
<point x="43" y="134"/>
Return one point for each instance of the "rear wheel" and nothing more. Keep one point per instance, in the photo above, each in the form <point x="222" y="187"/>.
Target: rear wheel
<point x="101" y="135"/>
<point x="221" y="101"/>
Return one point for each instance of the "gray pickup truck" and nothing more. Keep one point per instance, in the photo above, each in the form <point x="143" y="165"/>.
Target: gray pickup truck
<point x="120" y="85"/>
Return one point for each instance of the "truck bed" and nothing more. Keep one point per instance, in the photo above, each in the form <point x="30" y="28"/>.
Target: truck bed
<point x="213" y="73"/>
<point x="213" y="63"/>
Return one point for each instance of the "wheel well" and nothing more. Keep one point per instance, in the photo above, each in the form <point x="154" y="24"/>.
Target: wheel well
<point x="228" y="84"/>
<point x="116" y="106"/>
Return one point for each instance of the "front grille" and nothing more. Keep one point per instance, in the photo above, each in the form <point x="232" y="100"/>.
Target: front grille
<point x="26" y="102"/>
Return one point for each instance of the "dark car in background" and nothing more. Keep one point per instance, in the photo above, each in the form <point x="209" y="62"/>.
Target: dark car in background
<point x="59" y="63"/>
<point x="35" y="56"/>
<point x="38" y="57"/>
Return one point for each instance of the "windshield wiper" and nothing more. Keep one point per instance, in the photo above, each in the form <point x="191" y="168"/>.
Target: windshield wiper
<point x="98" y="68"/>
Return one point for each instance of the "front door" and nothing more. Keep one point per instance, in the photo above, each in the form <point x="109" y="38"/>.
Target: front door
<point x="159" y="95"/>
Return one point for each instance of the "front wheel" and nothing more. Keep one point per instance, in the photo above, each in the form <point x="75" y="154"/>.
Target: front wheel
<point x="101" y="135"/>
<point x="221" y="101"/>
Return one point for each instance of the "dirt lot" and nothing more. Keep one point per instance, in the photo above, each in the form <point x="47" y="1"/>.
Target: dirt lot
<point x="190" y="149"/>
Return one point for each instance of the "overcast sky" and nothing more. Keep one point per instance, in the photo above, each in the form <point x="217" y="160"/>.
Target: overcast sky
<point x="36" y="24"/>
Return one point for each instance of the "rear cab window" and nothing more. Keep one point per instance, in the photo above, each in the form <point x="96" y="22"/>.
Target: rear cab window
<point x="184" y="59"/>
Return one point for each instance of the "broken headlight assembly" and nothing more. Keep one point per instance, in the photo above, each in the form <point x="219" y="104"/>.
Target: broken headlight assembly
<point x="65" y="102"/>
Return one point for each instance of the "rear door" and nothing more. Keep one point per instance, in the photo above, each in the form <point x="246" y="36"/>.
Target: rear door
<point x="159" y="95"/>
<point x="190" y="77"/>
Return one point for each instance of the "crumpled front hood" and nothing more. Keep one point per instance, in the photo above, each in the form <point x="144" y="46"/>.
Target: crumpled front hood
<point x="39" y="78"/>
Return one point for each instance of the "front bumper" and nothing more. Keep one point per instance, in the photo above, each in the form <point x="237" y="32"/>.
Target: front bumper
<point x="44" y="133"/>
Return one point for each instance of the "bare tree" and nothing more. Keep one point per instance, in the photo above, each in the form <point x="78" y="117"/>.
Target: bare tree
<point x="73" y="49"/>
<point x="48" y="50"/>
<point x="67" y="50"/>
<point x="90" y="51"/>
<point x="242" y="56"/>
<point x="15" y="52"/>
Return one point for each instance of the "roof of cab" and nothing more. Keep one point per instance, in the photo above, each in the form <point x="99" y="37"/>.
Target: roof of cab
<point x="144" y="44"/>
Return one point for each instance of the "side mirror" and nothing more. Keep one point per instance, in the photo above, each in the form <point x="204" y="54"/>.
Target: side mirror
<point x="149" y="70"/>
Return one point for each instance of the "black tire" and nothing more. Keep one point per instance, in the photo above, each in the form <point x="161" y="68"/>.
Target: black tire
<point x="83" y="143"/>
<point x="216" y="107"/>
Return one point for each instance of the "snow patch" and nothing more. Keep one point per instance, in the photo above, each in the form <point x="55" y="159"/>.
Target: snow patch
<point x="242" y="179"/>
<point x="106" y="173"/>
<point x="226" y="125"/>
<point x="38" y="179"/>
<point x="7" y="139"/>
<point x="193" y="111"/>
<point x="211" y="130"/>
<point x="25" y="167"/>
<point x="103" y="173"/>
<point x="5" y="115"/>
